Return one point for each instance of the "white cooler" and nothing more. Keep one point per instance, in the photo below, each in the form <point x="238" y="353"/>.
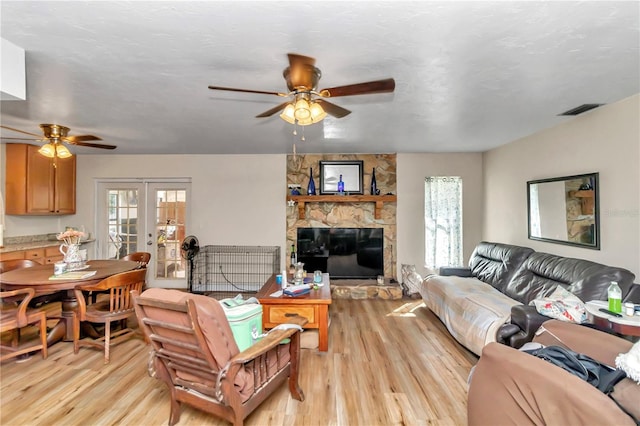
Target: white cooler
<point x="245" y="319"/>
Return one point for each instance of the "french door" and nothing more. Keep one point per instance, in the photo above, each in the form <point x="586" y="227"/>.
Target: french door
<point x="145" y="215"/>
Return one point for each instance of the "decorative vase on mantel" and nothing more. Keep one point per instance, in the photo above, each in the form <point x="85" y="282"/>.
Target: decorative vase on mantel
<point x="311" y="188"/>
<point x="374" y="184"/>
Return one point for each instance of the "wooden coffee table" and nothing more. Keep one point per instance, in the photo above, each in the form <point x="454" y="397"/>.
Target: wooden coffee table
<point x="314" y="306"/>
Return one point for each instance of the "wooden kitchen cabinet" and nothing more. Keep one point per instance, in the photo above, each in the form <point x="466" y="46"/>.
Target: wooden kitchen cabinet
<point x="37" y="255"/>
<point x="35" y="186"/>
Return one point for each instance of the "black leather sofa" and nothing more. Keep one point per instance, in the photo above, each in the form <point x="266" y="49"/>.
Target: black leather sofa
<point x="521" y="274"/>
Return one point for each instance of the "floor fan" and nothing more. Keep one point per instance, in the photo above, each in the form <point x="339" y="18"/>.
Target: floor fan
<point x="188" y="250"/>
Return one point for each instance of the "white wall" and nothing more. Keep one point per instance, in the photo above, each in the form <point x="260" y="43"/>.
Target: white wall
<point x="411" y="172"/>
<point x="605" y="140"/>
<point x="235" y="199"/>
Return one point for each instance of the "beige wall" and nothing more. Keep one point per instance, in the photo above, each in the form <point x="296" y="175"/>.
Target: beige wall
<point x="235" y="199"/>
<point x="240" y="199"/>
<point x="605" y="140"/>
<point x="411" y="172"/>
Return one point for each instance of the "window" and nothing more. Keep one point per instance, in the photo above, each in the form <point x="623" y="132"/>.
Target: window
<point x="443" y="221"/>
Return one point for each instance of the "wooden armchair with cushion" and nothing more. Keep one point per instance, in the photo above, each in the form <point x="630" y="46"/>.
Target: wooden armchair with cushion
<point x="15" y="316"/>
<point x="118" y="307"/>
<point x="195" y="355"/>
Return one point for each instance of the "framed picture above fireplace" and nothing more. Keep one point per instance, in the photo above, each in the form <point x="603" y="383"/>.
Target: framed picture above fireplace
<point x="351" y="172"/>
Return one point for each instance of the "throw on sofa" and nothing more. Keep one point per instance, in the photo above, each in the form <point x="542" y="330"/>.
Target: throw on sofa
<point x="487" y="301"/>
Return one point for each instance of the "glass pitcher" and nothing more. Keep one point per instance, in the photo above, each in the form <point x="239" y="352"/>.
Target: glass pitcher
<point x="298" y="273"/>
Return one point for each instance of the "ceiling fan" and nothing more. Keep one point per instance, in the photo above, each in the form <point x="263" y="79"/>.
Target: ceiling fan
<point x="55" y="135"/>
<point x="309" y="104"/>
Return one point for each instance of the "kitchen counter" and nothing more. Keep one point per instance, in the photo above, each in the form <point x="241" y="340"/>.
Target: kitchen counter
<point x="22" y="243"/>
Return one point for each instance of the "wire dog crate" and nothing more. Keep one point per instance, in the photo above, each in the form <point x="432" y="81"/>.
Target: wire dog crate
<point x="236" y="269"/>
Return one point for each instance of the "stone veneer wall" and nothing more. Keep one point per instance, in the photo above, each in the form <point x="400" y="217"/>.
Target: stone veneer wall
<point x="346" y="215"/>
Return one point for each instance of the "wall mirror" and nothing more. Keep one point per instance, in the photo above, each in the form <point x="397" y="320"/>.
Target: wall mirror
<point x="565" y="210"/>
<point x="331" y="171"/>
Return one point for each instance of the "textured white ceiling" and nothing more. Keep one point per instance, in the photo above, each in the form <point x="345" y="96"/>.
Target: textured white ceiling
<point x="470" y="76"/>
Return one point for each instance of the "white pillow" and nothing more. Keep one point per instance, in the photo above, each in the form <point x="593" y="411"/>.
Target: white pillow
<point x="630" y="362"/>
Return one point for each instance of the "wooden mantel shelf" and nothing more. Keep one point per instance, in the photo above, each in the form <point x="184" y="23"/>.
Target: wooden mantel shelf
<point x="378" y="199"/>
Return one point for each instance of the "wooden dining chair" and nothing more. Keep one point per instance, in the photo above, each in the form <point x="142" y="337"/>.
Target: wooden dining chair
<point x="142" y="257"/>
<point x="118" y="307"/>
<point x="45" y="301"/>
<point x="50" y="309"/>
<point x="194" y="353"/>
<point x="14" y="316"/>
<point x="10" y="265"/>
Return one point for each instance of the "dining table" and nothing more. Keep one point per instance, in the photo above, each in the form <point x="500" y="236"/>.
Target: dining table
<point x="42" y="279"/>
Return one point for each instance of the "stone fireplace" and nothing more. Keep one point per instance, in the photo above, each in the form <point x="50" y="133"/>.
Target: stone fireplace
<point x="346" y="214"/>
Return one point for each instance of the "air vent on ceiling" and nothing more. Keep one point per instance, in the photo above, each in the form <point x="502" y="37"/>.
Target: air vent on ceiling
<point x="582" y="108"/>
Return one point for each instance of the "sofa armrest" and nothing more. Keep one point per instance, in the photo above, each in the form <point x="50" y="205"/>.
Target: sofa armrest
<point x="512" y="387"/>
<point x="506" y="332"/>
<point x="529" y="320"/>
<point x="458" y="271"/>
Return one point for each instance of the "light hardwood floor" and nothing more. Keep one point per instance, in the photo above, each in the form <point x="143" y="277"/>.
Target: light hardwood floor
<point x="389" y="363"/>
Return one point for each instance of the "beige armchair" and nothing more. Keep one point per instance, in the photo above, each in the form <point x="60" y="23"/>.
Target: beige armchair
<point x="511" y="387"/>
<point x="195" y="355"/>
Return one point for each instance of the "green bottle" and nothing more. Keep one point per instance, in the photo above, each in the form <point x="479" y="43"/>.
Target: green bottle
<point x="615" y="297"/>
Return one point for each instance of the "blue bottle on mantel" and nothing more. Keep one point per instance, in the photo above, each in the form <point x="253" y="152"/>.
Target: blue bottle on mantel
<point x="311" y="188"/>
<point x="374" y="184"/>
<point x="340" y="185"/>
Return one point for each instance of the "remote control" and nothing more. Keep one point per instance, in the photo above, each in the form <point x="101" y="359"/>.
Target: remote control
<point x="606" y="311"/>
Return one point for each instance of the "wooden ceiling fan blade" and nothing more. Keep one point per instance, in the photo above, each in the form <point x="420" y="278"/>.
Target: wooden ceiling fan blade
<point x="378" y="86"/>
<point x="18" y="139"/>
<point x="233" y="89"/>
<point x="22" y="131"/>
<point x="81" y="138"/>
<point x="91" y="145"/>
<point x="333" y="109"/>
<point x="273" y="110"/>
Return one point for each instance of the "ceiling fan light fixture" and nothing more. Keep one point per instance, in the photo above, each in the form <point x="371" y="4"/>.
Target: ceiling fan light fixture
<point x="316" y="115"/>
<point x="62" y="151"/>
<point x="302" y="111"/>
<point x="317" y="112"/>
<point x="48" y="150"/>
<point x="288" y="114"/>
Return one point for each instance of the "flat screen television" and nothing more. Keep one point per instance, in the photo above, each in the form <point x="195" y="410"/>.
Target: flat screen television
<point x="346" y="253"/>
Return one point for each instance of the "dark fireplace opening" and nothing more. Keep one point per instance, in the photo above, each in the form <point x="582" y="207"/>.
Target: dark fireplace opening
<point x="345" y="253"/>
